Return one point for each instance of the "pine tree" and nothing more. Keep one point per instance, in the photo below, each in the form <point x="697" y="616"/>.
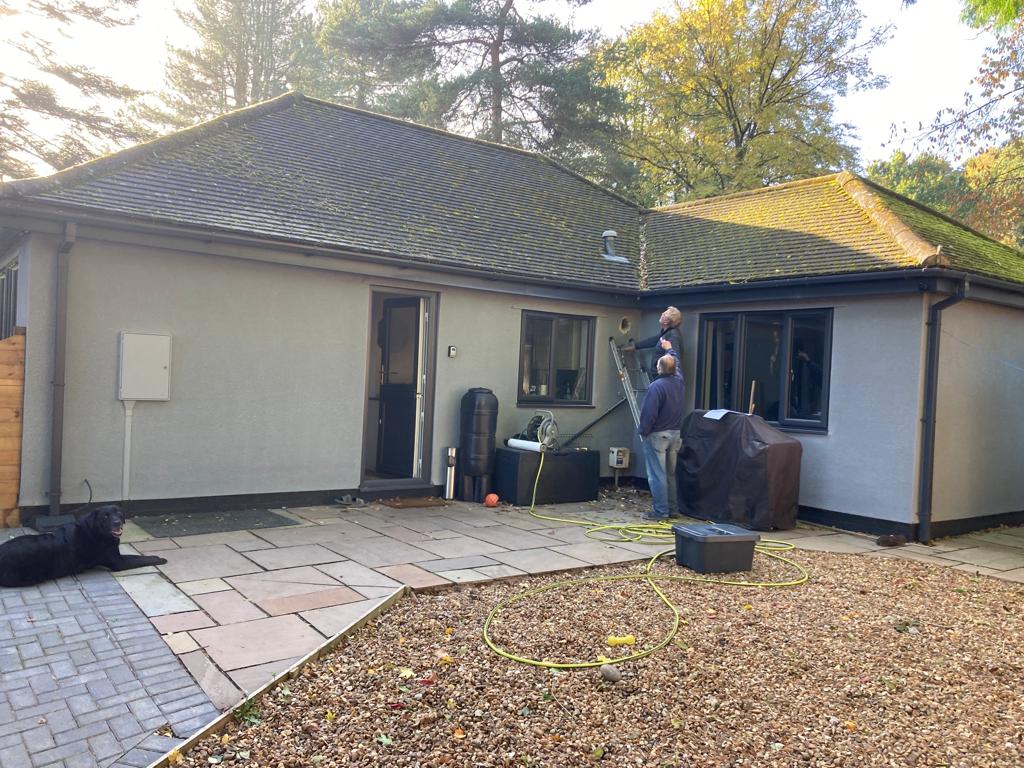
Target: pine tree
<point x="57" y="114"/>
<point x="246" y="51"/>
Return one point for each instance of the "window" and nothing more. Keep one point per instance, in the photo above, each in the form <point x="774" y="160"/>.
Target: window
<point x="555" y="359"/>
<point x="776" y="361"/>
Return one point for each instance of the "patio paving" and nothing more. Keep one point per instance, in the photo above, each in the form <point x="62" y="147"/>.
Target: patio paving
<point x="237" y="608"/>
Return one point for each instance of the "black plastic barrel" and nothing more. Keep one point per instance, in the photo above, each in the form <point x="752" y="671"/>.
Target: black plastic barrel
<point x="478" y="425"/>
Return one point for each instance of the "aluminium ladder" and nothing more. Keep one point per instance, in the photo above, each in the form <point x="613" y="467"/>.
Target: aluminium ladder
<point x="633" y="376"/>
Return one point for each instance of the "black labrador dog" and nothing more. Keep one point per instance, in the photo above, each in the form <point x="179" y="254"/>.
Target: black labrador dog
<point x="75" y="547"/>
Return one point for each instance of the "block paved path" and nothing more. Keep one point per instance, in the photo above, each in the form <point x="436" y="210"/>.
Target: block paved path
<point x="86" y="680"/>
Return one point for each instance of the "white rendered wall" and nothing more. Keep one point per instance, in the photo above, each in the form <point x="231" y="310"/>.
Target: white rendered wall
<point x="866" y="463"/>
<point x="486" y="329"/>
<point x="267" y="376"/>
<point x="979" y="430"/>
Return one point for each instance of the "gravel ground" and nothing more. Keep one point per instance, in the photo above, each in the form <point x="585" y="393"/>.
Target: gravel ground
<point x="874" y="662"/>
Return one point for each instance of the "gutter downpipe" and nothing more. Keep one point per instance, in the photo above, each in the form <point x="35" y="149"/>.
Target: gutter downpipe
<point x="931" y="387"/>
<point x="60" y="343"/>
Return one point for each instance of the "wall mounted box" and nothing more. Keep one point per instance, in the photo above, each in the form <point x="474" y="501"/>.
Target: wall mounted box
<point x="145" y="366"/>
<point x="714" y="548"/>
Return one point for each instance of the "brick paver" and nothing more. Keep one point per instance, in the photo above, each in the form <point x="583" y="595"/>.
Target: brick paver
<point x="80" y="671"/>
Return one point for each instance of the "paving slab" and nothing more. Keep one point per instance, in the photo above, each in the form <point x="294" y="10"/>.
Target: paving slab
<point x="278" y="606"/>
<point x="181" y="622"/>
<point x="464" y="576"/>
<point x="215" y="561"/>
<point x="240" y="541"/>
<point x="282" y="583"/>
<point x="413" y="576"/>
<point x="222" y="692"/>
<point x="181" y="642"/>
<point x="228" y="607"/>
<point x="253" y="678"/>
<point x="456" y="563"/>
<point x="258" y="642"/>
<point x="334" y="620"/>
<point x="154" y="545"/>
<point x="314" y="534"/>
<point x="993" y="556"/>
<point x="379" y="551"/>
<point x="355" y="575"/>
<point x="203" y="586"/>
<point x="539" y="560"/>
<point x="511" y="538"/>
<point x="155" y="595"/>
<point x="596" y="553"/>
<point x="500" y="571"/>
<point x="457" y="546"/>
<point x="293" y="557"/>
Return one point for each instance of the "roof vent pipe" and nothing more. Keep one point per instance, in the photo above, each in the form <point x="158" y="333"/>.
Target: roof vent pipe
<point x="609" y="236"/>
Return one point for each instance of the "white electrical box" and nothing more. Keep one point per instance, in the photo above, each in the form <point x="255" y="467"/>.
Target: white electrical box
<point x="145" y="366"/>
<point x="618" y="458"/>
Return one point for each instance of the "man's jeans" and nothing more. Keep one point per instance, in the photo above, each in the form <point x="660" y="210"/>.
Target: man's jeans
<point x="660" y="452"/>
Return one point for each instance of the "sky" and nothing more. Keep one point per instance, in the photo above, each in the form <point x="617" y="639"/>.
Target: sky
<point x="929" y="60"/>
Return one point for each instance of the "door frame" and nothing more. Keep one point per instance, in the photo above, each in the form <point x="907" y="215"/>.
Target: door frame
<point x="427" y="375"/>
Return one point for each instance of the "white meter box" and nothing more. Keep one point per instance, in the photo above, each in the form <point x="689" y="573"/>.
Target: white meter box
<point x="145" y="366"/>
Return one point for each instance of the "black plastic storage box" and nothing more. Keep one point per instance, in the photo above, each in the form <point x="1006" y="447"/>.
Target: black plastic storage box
<point x="708" y="548"/>
<point x="567" y="476"/>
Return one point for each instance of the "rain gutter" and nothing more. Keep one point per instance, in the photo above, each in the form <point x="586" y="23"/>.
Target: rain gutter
<point x="930" y="406"/>
<point x="60" y="345"/>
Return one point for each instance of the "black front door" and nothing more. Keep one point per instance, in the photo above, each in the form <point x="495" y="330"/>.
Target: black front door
<point x="399" y="338"/>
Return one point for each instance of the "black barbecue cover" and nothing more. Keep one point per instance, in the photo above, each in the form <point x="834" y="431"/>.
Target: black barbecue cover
<point x="739" y="469"/>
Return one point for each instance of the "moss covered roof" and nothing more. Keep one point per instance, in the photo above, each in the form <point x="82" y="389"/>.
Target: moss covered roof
<point x="303" y="171"/>
<point x="827" y="225"/>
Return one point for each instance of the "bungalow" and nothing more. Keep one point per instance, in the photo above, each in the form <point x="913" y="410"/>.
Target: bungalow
<point x="288" y="303"/>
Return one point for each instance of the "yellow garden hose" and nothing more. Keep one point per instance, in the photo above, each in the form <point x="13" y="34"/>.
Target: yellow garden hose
<point x="651" y="533"/>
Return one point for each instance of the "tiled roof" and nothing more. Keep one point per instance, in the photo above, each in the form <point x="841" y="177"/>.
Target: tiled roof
<point x="307" y="172"/>
<point x="304" y="171"/>
<point x="827" y="225"/>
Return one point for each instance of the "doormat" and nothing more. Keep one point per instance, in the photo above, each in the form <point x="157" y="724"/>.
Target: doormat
<point x="193" y="523"/>
<point x="414" y="502"/>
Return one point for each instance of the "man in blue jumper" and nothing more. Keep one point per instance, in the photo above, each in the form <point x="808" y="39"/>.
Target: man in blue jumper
<point x="660" y="420"/>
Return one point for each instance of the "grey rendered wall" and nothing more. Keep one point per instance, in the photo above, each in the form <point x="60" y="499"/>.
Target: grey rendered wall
<point x="866" y="464"/>
<point x="486" y="329"/>
<point x="36" y="301"/>
<point x="267" y="375"/>
<point x="979" y="437"/>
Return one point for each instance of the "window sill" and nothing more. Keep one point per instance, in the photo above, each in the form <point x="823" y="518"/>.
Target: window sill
<point x="799" y="429"/>
<point x="550" y="404"/>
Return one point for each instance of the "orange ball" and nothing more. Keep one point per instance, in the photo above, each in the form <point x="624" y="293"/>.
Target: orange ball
<point x="491" y="500"/>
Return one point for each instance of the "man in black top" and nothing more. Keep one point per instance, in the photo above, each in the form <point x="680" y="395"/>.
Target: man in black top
<point x="671" y="320"/>
<point x="660" y="420"/>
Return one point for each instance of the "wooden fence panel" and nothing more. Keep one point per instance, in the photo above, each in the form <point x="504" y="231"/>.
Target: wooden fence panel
<point x="12" y="390"/>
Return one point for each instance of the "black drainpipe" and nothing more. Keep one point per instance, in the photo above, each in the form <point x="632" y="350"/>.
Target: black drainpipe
<point x="931" y="386"/>
<point x="60" y="344"/>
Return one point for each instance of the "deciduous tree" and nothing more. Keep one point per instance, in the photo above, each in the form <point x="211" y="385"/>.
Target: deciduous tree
<point x="53" y="113"/>
<point x="725" y="95"/>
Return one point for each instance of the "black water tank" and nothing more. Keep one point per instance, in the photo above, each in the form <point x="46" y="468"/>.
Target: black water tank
<point x="478" y="424"/>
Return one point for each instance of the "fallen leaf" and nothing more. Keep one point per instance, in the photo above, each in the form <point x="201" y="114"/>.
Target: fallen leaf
<point x="458" y="733"/>
<point x="384" y="740"/>
<point x="330" y="715"/>
<point x="174" y="757"/>
<point x="405" y="673"/>
<point x="225" y="739"/>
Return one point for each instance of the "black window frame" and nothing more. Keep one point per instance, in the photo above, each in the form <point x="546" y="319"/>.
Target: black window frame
<point x="740" y="318"/>
<point x="550" y="399"/>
